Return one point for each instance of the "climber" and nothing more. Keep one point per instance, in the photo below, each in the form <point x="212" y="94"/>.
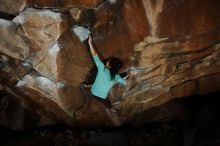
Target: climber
<point x="106" y="77"/>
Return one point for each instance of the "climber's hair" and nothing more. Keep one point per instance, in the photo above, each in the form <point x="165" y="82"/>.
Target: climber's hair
<point x="115" y="65"/>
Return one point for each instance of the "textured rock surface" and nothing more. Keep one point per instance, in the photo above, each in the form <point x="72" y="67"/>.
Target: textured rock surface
<point x="171" y="50"/>
<point x="65" y="3"/>
<point x="12" y="7"/>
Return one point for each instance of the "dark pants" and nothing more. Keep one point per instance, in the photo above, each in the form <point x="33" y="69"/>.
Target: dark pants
<point x="106" y="101"/>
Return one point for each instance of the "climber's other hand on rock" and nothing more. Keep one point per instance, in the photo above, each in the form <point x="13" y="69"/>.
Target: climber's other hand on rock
<point x="127" y="76"/>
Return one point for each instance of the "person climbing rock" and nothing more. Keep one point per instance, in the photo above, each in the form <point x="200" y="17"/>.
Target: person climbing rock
<point x="107" y="76"/>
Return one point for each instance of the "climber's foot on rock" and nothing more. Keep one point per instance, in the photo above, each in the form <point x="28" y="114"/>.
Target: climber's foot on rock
<point x="87" y="85"/>
<point x="111" y="112"/>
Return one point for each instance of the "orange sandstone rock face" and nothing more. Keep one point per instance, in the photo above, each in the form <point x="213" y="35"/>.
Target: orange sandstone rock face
<point x="15" y="7"/>
<point x="64" y="3"/>
<point x="12" y="7"/>
<point x="171" y="51"/>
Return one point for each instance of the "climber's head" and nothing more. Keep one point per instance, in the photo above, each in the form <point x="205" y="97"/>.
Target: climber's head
<point x="114" y="65"/>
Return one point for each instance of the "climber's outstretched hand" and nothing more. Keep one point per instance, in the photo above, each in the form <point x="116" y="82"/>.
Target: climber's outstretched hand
<point x="90" y="39"/>
<point x="92" y="50"/>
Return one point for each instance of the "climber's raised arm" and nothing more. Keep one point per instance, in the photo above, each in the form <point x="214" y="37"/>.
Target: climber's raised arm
<point x="92" y="50"/>
<point x="95" y="56"/>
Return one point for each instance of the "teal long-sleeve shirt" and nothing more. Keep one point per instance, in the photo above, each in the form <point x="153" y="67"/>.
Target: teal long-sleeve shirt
<point x="103" y="82"/>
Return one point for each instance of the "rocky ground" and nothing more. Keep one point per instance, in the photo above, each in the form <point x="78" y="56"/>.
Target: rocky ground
<point x="198" y="125"/>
